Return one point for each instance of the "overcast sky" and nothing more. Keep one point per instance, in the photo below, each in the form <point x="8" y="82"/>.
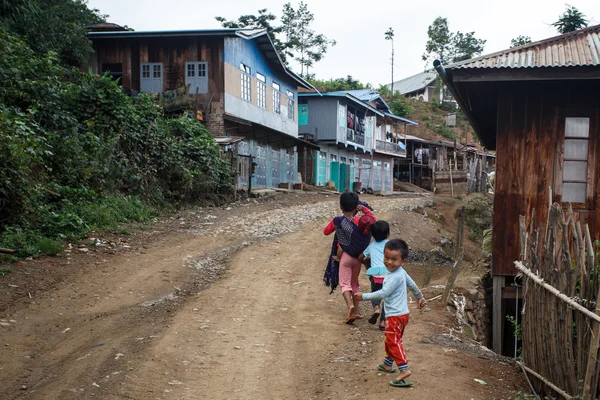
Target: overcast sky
<point x="359" y="26"/>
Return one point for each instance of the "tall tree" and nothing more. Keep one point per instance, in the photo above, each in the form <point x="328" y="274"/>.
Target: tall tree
<point x="571" y="20"/>
<point x="389" y="35"/>
<point x="465" y="46"/>
<point x="294" y="38"/>
<point x="447" y="46"/>
<point x="264" y="20"/>
<point x="59" y="26"/>
<point x="520" y="41"/>
<point x="439" y="44"/>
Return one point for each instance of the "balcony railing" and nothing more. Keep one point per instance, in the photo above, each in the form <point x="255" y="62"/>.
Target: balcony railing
<point x="389" y="147"/>
<point x="355" y="137"/>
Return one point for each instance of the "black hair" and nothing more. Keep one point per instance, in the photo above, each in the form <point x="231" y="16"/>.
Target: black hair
<point x="380" y="230"/>
<point x="398" y="245"/>
<point x="349" y="201"/>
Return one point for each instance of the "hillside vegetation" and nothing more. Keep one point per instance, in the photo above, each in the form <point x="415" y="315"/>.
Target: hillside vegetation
<point x="76" y="153"/>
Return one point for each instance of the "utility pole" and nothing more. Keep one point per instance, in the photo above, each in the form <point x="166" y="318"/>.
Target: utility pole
<point x="389" y="35"/>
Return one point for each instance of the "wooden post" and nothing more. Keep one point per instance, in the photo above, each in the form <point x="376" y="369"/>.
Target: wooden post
<point x="429" y="271"/>
<point x="459" y="252"/>
<point x="480" y="188"/>
<point x="451" y="182"/>
<point x="497" y="315"/>
<point x="434" y="167"/>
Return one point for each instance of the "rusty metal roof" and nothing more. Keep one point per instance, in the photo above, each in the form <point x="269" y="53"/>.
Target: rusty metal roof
<point x="578" y="48"/>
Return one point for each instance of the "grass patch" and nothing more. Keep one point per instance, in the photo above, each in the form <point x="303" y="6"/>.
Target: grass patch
<point x="73" y="220"/>
<point x="5" y="271"/>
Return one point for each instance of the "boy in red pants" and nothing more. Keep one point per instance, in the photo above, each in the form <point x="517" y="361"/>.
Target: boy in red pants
<point x="393" y="293"/>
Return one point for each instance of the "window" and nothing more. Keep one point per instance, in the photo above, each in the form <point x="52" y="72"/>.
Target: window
<point x="291" y="105"/>
<point x="151" y="81"/>
<point x="276" y="98"/>
<point x="575" y="164"/>
<point x="196" y="75"/>
<point x="261" y="90"/>
<point x="246" y="92"/>
<point x="333" y="158"/>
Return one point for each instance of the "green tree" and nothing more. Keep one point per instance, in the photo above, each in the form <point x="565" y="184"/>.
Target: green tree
<point x="389" y="35"/>
<point x="294" y="38"/>
<point x="520" y="41"/>
<point x="339" y="84"/>
<point x="59" y="26"/>
<point x="571" y="20"/>
<point x="447" y="46"/>
<point x="264" y="20"/>
<point x="439" y="44"/>
<point x="466" y="46"/>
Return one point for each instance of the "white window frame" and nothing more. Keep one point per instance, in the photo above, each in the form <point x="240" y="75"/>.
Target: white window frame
<point x="196" y="75"/>
<point x="261" y="91"/>
<point x="574" y="137"/>
<point x="246" y="90"/>
<point x="276" y="98"/>
<point x="291" y="104"/>
<point x="151" y="77"/>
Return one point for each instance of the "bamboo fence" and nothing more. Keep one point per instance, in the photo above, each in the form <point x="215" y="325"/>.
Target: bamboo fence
<point x="560" y="317"/>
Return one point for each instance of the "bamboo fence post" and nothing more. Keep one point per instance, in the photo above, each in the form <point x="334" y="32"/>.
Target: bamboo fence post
<point x="592" y="361"/>
<point x="451" y="183"/>
<point x="547" y="382"/>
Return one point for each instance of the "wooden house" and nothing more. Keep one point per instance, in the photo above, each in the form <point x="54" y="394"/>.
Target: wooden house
<point x="538" y="107"/>
<point x="235" y="77"/>
<point x="357" y="136"/>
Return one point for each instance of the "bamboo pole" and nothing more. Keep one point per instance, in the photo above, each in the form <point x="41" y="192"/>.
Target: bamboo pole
<point x="556" y="292"/>
<point x="451" y="183"/>
<point x="592" y="361"/>
<point x="547" y="382"/>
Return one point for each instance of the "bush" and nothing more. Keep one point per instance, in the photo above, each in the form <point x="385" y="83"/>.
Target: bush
<point x="77" y="154"/>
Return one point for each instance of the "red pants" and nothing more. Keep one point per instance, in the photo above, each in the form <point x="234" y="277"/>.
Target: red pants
<point x="394" y="348"/>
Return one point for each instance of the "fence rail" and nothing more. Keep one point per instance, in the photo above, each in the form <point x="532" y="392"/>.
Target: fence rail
<point x="560" y="318"/>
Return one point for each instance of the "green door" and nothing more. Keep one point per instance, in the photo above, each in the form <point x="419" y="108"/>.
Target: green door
<point x="351" y="176"/>
<point x="343" y="177"/>
<point x="334" y="173"/>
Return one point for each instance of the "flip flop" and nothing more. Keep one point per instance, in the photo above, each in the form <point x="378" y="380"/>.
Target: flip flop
<point x="381" y="327"/>
<point x="374" y="318"/>
<point x="382" y="368"/>
<point x="350" y="320"/>
<point x="402" y="383"/>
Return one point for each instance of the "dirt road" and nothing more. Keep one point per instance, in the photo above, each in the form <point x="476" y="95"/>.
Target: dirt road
<point x="216" y="304"/>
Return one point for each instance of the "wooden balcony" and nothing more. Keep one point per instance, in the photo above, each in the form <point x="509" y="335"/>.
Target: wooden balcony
<point x="389" y="148"/>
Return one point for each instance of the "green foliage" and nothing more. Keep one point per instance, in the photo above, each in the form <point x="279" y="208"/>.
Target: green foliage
<point x="5" y="271"/>
<point x="59" y="26"/>
<point x="571" y="20"/>
<point x="338" y="84"/>
<point x="401" y="106"/>
<point x="442" y="130"/>
<point x="447" y="46"/>
<point x="517" y="331"/>
<point x="520" y="41"/>
<point x="478" y="214"/>
<point x="76" y="154"/>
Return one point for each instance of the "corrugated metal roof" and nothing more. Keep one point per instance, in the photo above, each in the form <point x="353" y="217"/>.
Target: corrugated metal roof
<point x="578" y="48"/>
<point x="227" y="140"/>
<point x="414" y="83"/>
<point x="368" y="95"/>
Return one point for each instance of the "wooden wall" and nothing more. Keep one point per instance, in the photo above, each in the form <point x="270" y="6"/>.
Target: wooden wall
<point x="172" y="52"/>
<point x="529" y="147"/>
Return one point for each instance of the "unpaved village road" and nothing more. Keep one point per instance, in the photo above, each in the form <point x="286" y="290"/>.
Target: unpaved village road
<point x="225" y="304"/>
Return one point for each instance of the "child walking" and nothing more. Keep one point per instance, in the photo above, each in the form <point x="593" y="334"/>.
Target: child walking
<point x="396" y="309"/>
<point x="353" y="241"/>
<point x="376" y="271"/>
